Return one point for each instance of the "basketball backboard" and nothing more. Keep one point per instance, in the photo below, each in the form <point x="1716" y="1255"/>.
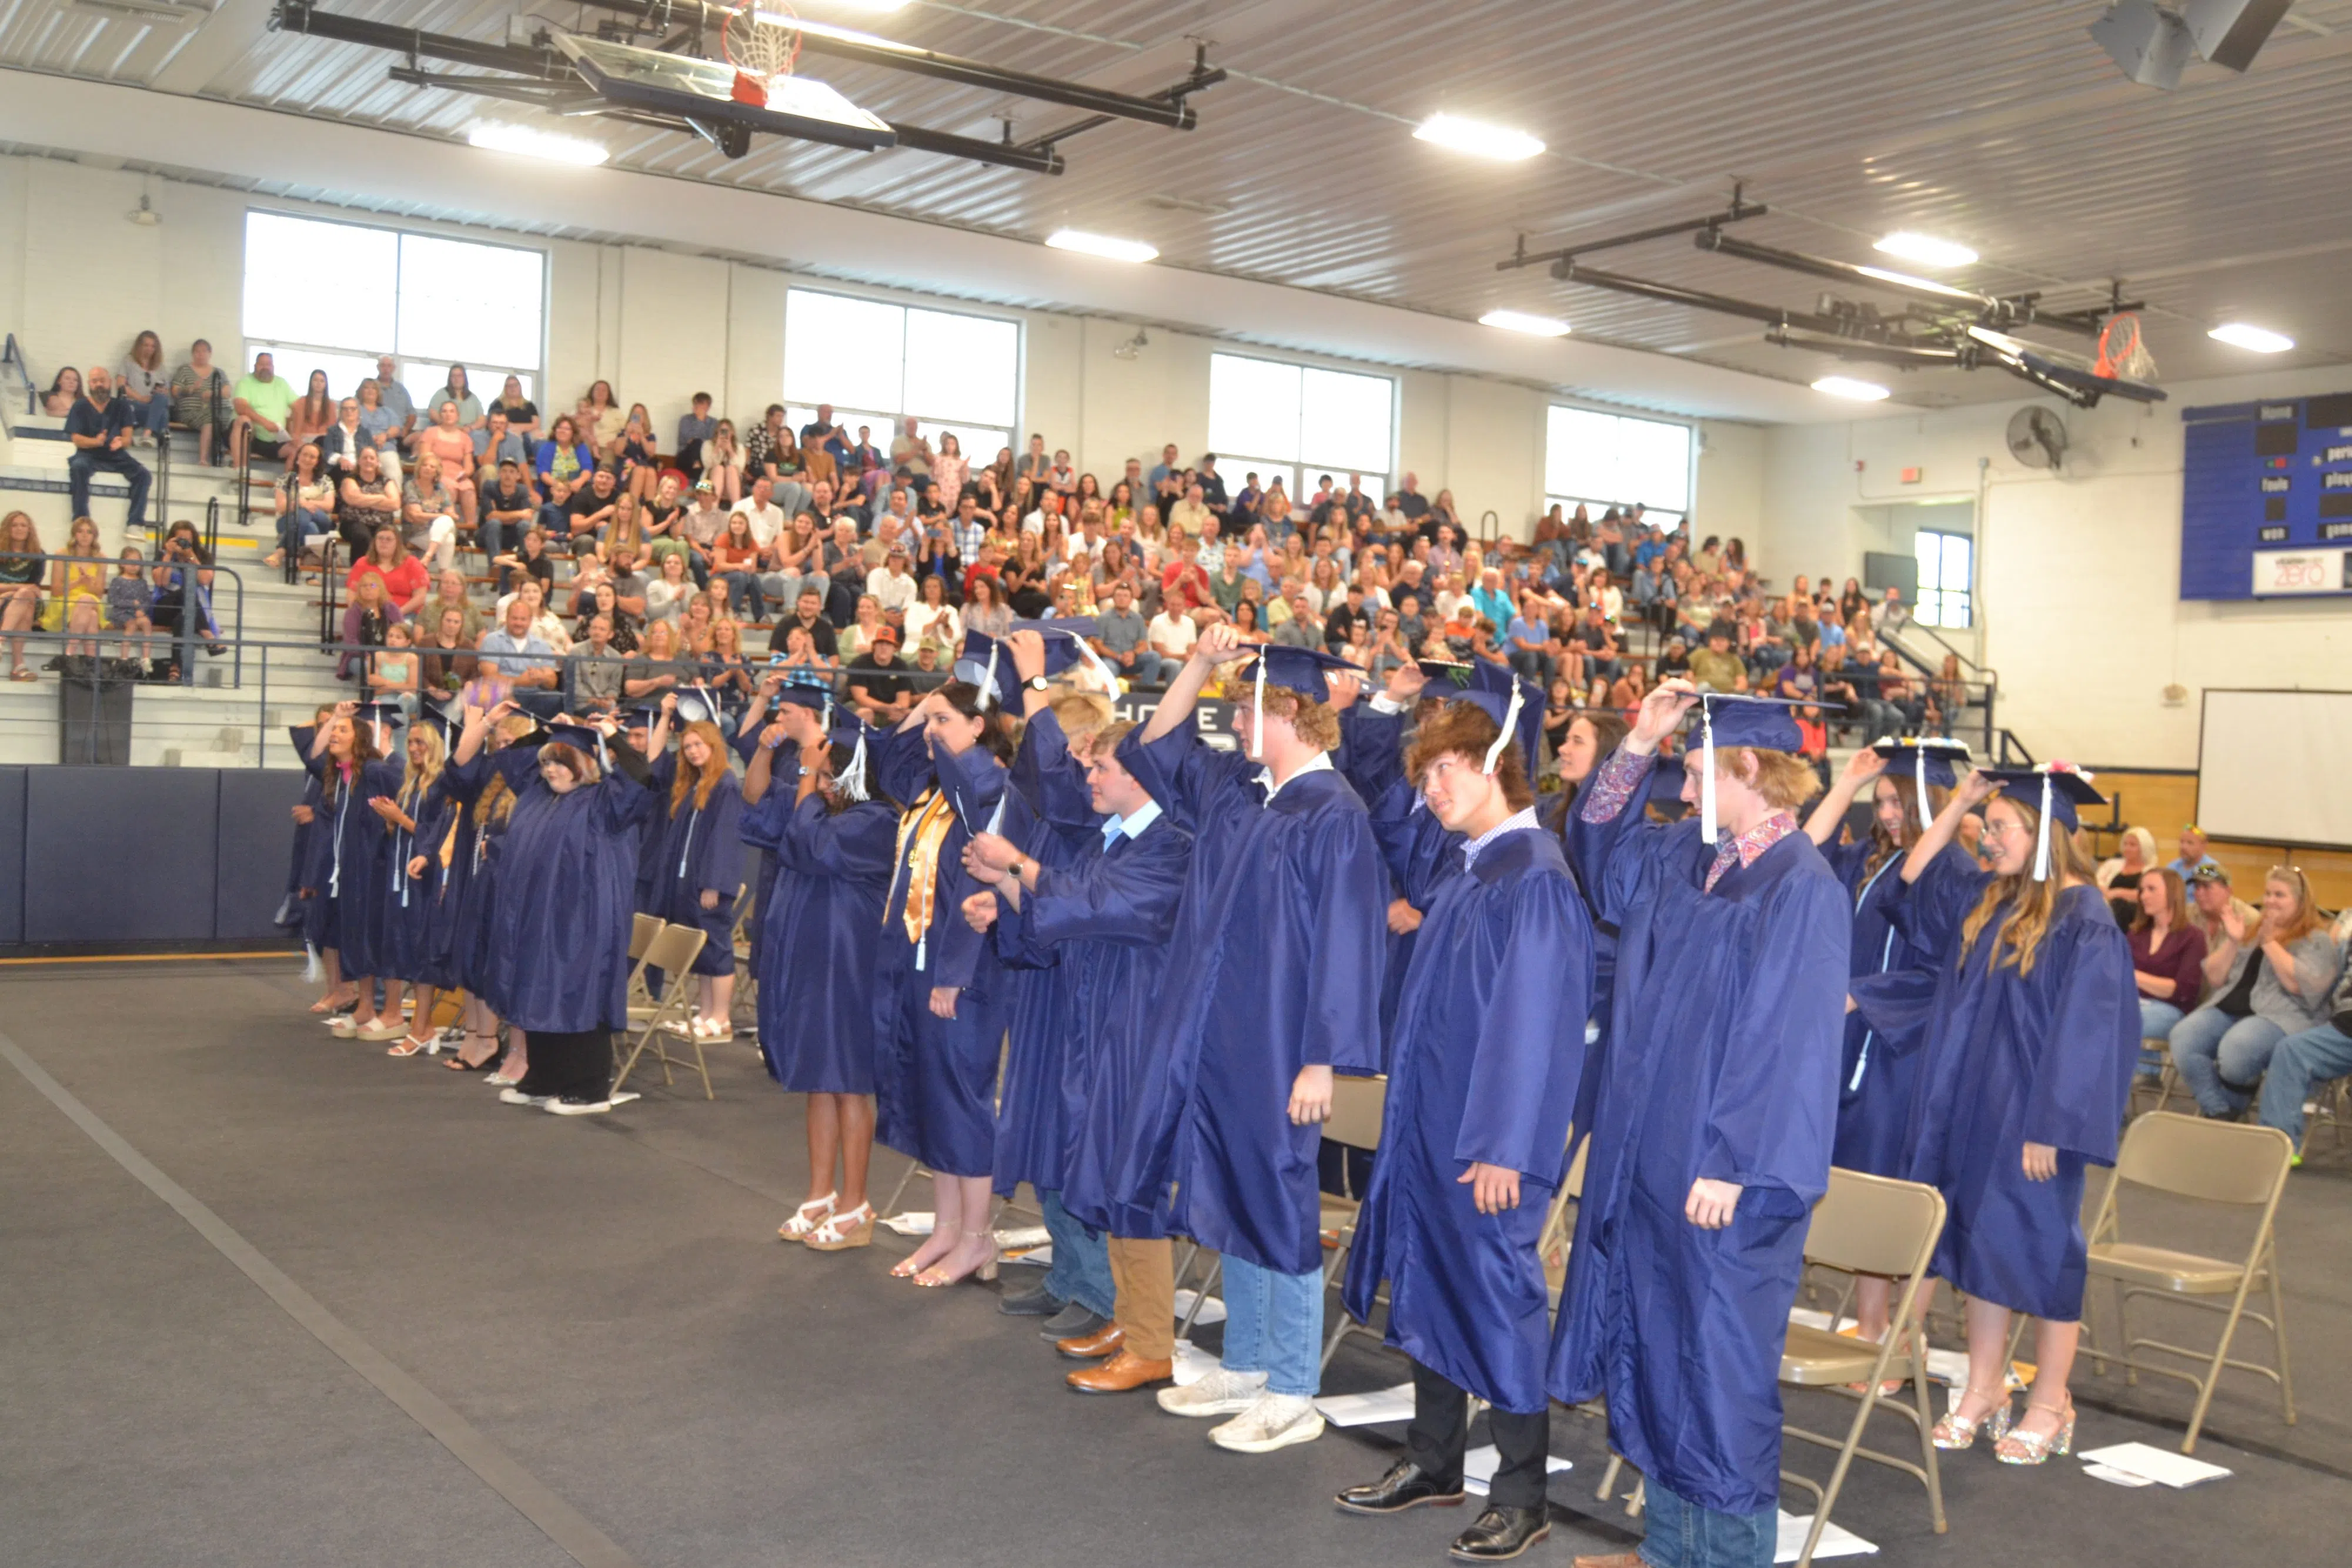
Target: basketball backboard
<point x="696" y="88"/>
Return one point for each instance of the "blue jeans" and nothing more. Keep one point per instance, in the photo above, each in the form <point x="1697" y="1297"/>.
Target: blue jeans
<point x="2301" y="1061"/>
<point x="1683" y="1534"/>
<point x="154" y="416"/>
<point x="1274" y="1324"/>
<point x="1151" y="668"/>
<point x="2156" y="1021"/>
<point x="2222" y="1057"/>
<point x="1081" y="1270"/>
<point x="82" y="464"/>
<point x="298" y="525"/>
<point x="743" y="595"/>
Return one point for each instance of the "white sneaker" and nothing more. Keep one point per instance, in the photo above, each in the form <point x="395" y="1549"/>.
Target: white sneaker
<point x="1274" y="1421"/>
<point x="1217" y="1393"/>
<point x="577" y="1107"/>
<point x="517" y="1097"/>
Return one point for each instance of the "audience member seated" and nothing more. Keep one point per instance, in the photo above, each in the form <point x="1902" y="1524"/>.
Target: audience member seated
<point x="141" y="377"/>
<point x="264" y="402"/>
<point x="2168" y="961"/>
<point x="2118" y="875"/>
<point x="521" y="663"/>
<point x="200" y="401"/>
<point x="2262" y="985"/>
<point x="99" y="425"/>
<point x="406" y="580"/>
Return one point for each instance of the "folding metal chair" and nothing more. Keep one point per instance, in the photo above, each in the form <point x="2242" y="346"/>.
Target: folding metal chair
<point x="2167" y="1080"/>
<point x="643" y="929"/>
<point x="2227" y="1162"/>
<point x="672" y="951"/>
<point x="1869" y="1225"/>
<point x="1358" y="1106"/>
<point x="1559" y="1229"/>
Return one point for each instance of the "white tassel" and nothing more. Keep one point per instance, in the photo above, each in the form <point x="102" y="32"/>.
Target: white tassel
<point x="1258" y="715"/>
<point x="1920" y="776"/>
<point x="988" y="681"/>
<point x="2041" y="836"/>
<point x="853" y="780"/>
<point x="1510" y="726"/>
<point x="1707" y="775"/>
<point x="312" y="970"/>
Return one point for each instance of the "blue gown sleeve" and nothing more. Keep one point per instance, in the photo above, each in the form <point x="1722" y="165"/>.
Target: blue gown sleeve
<point x="1128" y="898"/>
<point x="764" y="822"/>
<point x="899" y="762"/>
<point x="1345" y="888"/>
<point x="2083" y="1081"/>
<point x="1772" y="1119"/>
<point x="1052" y="780"/>
<point x="1016" y="941"/>
<point x="1614" y="855"/>
<point x="722" y="841"/>
<point x="859" y="844"/>
<point x="957" y="950"/>
<point x="623" y="804"/>
<point x="1183" y="773"/>
<point x="975" y="784"/>
<point x="1898" y="1006"/>
<point x="1931" y="912"/>
<point x="1371" y="751"/>
<point x="517" y="765"/>
<point x="305" y="736"/>
<point x="1531" y="1049"/>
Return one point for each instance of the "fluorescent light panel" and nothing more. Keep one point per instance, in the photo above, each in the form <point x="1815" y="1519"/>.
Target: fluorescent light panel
<point x="1926" y="249"/>
<point x="1477" y="138"/>
<point x="1849" y="387"/>
<point x="2243" y="335"/>
<point x="1520" y="321"/>
<point x="532" y="143"/>
<point x="1103" y="245"/>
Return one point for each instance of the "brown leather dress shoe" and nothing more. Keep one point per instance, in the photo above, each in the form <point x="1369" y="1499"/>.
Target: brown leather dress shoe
<point x="1086" y="1347"/>
<point x="1122" y="1374"/>
<point x="1614" y="1560"/>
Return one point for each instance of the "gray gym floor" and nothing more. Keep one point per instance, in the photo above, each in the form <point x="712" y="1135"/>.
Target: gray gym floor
<point x="584" y="1344"/>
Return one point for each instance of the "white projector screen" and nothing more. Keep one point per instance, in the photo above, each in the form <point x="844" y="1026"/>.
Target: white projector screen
<point x="2276" y="768"/>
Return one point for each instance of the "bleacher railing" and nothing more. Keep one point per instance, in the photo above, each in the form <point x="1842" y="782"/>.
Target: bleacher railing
<point x="196" y="606"/>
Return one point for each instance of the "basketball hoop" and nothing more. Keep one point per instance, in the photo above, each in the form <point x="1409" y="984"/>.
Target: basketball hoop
<point x="762" y="46"/>
<point x="2122" y="356"/>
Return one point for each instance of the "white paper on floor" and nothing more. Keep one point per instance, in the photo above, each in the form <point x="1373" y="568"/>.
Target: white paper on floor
<point x="1212" y="1310"/>
<point x="1367" y="1409"/>
<point x="2115" y="1477"/>
<point x="1479" y="1464"/>
<point x="1025" y="1236"/>
<point x="2155" y="1464"/>
<point x="911" y="1223"/>
<point x="1192" y="1363"/>
<point x="1836" y="1540"/>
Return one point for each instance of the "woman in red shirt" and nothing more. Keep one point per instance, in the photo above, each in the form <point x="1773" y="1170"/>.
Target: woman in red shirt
<point x="2168" y="954"/>
<point x="405" y="582"/>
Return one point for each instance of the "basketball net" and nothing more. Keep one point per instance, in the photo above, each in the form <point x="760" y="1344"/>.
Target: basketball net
<point x="762" y="46"/>
<point x="2122" y="356"/>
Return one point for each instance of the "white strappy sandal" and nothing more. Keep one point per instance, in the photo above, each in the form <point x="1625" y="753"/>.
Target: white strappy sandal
<point x="807" y="1218"/>
<point x="853" y="1228"/>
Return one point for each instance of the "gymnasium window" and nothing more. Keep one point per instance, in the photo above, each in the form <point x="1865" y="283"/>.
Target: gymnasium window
<point x="1299" y="422"/>
<point x="1947" y="562"/>
<point x="1602" y="460"/>
<point x="321" y="295"/>
<point x="877" y="363"/>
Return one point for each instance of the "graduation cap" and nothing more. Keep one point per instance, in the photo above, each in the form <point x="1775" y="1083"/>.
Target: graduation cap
<point x="383" y="718"/>
<point x="440" y="724"/>
<point x="1299" y="670"/>
<point x="578" y="735"/>
<point x="1518" y="715"/>
<point x="643" y="716"/>
<point x="2054" y="790"/>
<point x="697" y="704"/>
<point x="1931" y="760"/>
<point x="1070" y="639"/>
<point x="851" y="732"/>
<point x="1763" y="723"/>
<point x="1447" y="671"/>
<point x="985" y="662"/>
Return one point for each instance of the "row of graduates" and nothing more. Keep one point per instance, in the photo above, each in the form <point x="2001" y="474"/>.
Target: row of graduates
<point x="502" y="859"/>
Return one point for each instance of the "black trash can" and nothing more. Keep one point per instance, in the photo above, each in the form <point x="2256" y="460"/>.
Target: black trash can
<point x="94" y="720"/>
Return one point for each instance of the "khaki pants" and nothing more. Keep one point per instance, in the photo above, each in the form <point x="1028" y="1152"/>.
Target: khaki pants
<point x="1144" y="1275"/>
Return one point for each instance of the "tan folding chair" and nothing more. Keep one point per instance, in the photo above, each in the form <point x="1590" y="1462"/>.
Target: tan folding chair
<point x="672" y="951"/>
<point x="2230" y="1163"/>
<point x="643" y="929"/>
<point x="1357" y="1106"/>
<point x="1869" y="1225"/>
<point x="1559" y="1228"/>
<point x="2167" y="1080"/>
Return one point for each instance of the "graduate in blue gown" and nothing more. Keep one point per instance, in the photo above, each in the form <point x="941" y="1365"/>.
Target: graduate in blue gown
<point x="475" y="801"/>
<point x="1909" y="782"/>
<point x="1272" y="988"/>
<point x="348" y="757"/>
<point x="295" y="914"/>
<point x="941" y="997"/>
<point x="831" y="844"/>
<point x="1485" y="1058"/>
<point x="566" y="886"/>
<point x="1102" y="921"/>
<point x="2030" y="1043"/>
<point x="697" y="862"/>
<point x="1714" y="1118"/>
<point x="410" y="884"/>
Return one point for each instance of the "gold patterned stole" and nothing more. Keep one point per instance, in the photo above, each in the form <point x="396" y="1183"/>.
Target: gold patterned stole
<point x="922" y="830"/>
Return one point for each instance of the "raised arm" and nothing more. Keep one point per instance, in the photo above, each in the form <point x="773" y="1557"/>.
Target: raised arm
<point x="1822" y="827"/>
<point x="1214" y="647"/>
<point x="1976" y="789"/>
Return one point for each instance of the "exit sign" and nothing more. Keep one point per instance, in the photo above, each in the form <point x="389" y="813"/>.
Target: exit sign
<point x="1909" y="475"/>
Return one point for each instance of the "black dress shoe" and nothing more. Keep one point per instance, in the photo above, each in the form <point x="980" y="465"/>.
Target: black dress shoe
<point x="1406" y="1485"/>
<point x="1501" y="1534"/>
<point x="1073" y="1322"/>
<point x="1036" y="1301"/>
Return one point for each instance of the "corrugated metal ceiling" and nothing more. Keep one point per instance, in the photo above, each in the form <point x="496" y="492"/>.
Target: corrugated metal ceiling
<point x="1997" y="122"/>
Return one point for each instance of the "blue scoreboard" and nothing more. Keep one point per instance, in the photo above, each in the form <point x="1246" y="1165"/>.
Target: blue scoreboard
<point x="2266" y="498"/>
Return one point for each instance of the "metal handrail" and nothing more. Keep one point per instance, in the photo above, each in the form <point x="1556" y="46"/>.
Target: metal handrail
<point x="186" y="638"/>
<point x="12" y="354"/>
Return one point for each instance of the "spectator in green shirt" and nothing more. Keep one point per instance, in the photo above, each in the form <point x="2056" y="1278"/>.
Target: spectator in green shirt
<point x="264" y="399"/>
<point x="1715" y="667"/>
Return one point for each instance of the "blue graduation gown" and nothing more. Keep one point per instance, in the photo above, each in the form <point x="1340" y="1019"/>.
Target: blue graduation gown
<point x="1276" y="966"/>
<point x="1893" y="986"/>
<point x="1050" y="817"/>
<point x="935" y="1078"/>
<point x="1485" y="1064"/>
<point x="693" y="850"/>
<point x="2045" y="1058"/>
<point x="1104" y="925"/>
<point x="816" y="957"/>
<point x="406" y="950"/>
<point x="1726" y="1019"/>
<point x="469" y="891"/>
<point x="567" y="877"/>
<point x="346" y="864"/>
<point x="764" y="861"/>
<point x="1417" y="860"/>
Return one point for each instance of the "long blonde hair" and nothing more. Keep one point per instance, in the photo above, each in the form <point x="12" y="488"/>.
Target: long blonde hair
<point x="420" y="777"/>
<point x="2027" y="905"/>
<point x="496" y="801"/>
<point x="699" y="782"/>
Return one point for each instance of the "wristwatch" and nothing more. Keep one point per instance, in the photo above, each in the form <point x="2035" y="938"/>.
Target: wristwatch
<point x="1037" y="684"/>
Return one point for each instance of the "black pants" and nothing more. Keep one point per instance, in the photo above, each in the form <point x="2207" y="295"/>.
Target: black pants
<point x="576" y="1066"/>
<point x="1441" y="1432"/>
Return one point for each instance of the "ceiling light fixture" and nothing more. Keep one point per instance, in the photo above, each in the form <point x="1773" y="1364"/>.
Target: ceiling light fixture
<point x="1927" y="285"/>
<point x="1849" y="387"/>
<point x="2243" y="335"/>
<point x="1520" y="321"/>
<point x="1477" y="138"/>
<point x="525" y="141"/>
<point x="1103" y="245"/>
<point x="1926" y="249"/>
